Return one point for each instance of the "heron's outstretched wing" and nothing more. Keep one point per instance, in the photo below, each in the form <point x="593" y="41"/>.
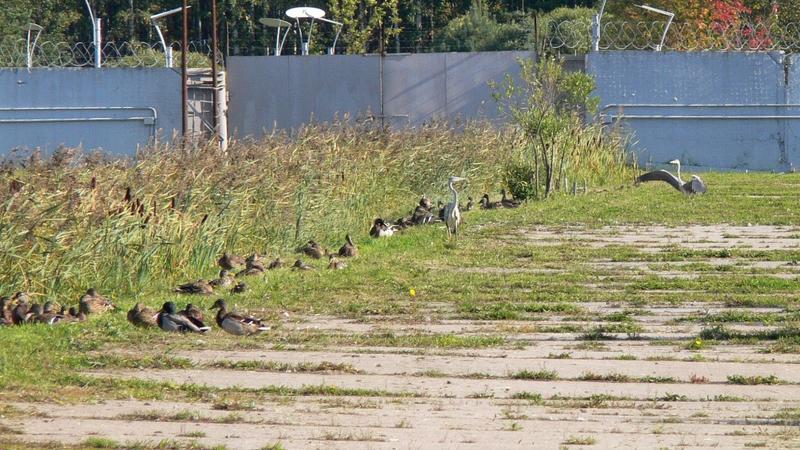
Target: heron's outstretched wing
<point x="661" y="175"/>
<point x="697" y="186"/>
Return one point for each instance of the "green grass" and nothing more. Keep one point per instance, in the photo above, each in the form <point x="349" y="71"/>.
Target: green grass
<point x="753" y="380"/>
<point x="542" y="374"/>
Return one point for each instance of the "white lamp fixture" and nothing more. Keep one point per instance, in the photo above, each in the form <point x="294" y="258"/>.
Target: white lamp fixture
<point x="31" y="46"/>
<point x="278" y="24"/>
<point x="305" y="12"/>
<point x="669" y="22"/>
<point x="167" y="51"/>
<point x="96" y="38"/>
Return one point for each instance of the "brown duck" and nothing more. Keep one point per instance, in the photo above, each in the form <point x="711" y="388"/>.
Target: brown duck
<point x="253" y="266"/>
<point x="194" y="315"/>
<point x="300" y="265"/>
<point x="487" y="204"/>
<point x="230" y="262"/>
<point x="94" y="303"/>
<point x="201" y="287"/>
<point x="508" y="202"/>
<point x="276" y="263"/>
<point x="313" y="250"/>
<point x="225" y="279"/>
<point x="335" y="263"/>
<point x="142" y="316"/>
<point x="349" y="249"/>
<point x="237" y="324"/>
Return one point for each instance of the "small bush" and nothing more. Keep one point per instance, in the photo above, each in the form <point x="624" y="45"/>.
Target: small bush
<point x="538" y="375"/>
<point x="753" y="380"/>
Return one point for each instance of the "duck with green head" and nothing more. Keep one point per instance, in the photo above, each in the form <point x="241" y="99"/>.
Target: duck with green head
<point x="169" y="320"/>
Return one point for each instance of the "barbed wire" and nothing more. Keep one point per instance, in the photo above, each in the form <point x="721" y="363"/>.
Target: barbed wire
<point x="576" y="36"/>
<point x="13" y="53"/>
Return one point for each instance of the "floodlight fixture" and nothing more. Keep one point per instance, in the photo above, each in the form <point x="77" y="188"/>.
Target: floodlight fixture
<point x="31" y="46"/>
<point x="153" y="19"/>
<point x="666" y="28"/>
<point x="277" y="24"/>
<point x="96" y="38"/>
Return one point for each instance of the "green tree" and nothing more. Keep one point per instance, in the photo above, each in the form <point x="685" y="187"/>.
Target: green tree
<point x="368" y="24"/>
<point x="478" y="31"/>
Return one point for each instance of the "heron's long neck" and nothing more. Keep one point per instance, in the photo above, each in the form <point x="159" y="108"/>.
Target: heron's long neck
<point x="679" y="172"/>
<point x="455" y="193"/>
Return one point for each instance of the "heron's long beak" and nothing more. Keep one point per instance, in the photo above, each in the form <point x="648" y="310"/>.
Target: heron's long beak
<point x="458" y="179"/>
<point x="675" y="161"/>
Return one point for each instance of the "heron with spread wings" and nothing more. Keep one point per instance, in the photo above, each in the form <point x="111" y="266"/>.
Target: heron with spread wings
<point x="693" y="186"/>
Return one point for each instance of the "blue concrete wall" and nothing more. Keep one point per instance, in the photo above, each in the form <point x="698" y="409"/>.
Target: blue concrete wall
<point x="268" y="92"/>
<point x="722" y="134"/>
<point x="114" y="110"/>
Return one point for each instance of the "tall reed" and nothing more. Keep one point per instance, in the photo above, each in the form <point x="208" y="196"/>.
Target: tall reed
<point x="67" y="223"/>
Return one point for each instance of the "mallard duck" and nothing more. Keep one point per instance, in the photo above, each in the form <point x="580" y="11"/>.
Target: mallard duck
<point x="20" y="297"/>
<point x="487" y="204"/>
<point x="381" y="229"/>
<point x="142" y="316"/>
<point x="194" y="314"/>
<point x="47" y="314"/>
<point x="75" y="314"/>
<point x="470" y="204"/>
<point x="400" y="224"/>
<point x="5" y="311"/>
<point x="239" y="288"/>
<point x="237" y="324"/>
<point x="201" y="287"/>
<point x="230" y="262"/>
<point x="169" y="320"/>
<point x="94" y="303"/>
<point x="300" y="265"/>
<point x="349" y="249"/>
<point x="276" y="263"/>
<point x="20" y="313"/>
<point x="335" y="263"/>
<point x="225" y="279"/>
<point x="313" y="250"/>
<point x="425" y="202"/>
<point x="508" y="202"/>
<point x="422" y="216"/>
<point x="253" y="266"/>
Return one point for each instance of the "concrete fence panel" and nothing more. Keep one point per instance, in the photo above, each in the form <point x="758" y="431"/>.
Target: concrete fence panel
<point x="710" y="109"/>
<point x="114" y="110"/>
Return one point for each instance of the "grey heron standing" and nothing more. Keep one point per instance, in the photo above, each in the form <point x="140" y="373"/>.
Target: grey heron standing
<point x="452" y="216"/>
<point x="693" y="186"/>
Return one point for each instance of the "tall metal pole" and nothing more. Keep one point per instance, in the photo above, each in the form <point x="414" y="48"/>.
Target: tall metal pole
<point x="184" y="73"/>
<point x="214" y="92"/>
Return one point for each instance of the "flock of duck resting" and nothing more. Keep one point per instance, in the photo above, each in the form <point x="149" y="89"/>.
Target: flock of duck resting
<point x="18" y="310"/>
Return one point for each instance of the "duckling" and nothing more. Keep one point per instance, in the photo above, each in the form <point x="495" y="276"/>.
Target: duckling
<point x="230" y="262"/>
<point x="486" y="204"/>
<point x="169" y="320"/>
<point x="508" y="202"/>
<point x="198" y="287"/>
<point x="300" y="265"/>
<point x="237" y="324"/>
<point x="470" y="204"/>
<point x="194" y="314"/>
<point x="142" y="316"/>
<point x="239" y="288"/>
<point x="313" y="250"/>
<point x="380" y="229"/>
<point x="349" y="249"/>
<point x="94" y="303"/>
<point x="335" y="264"/>
<point x="225" y="279"/>
<point x="276" y="263"/>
